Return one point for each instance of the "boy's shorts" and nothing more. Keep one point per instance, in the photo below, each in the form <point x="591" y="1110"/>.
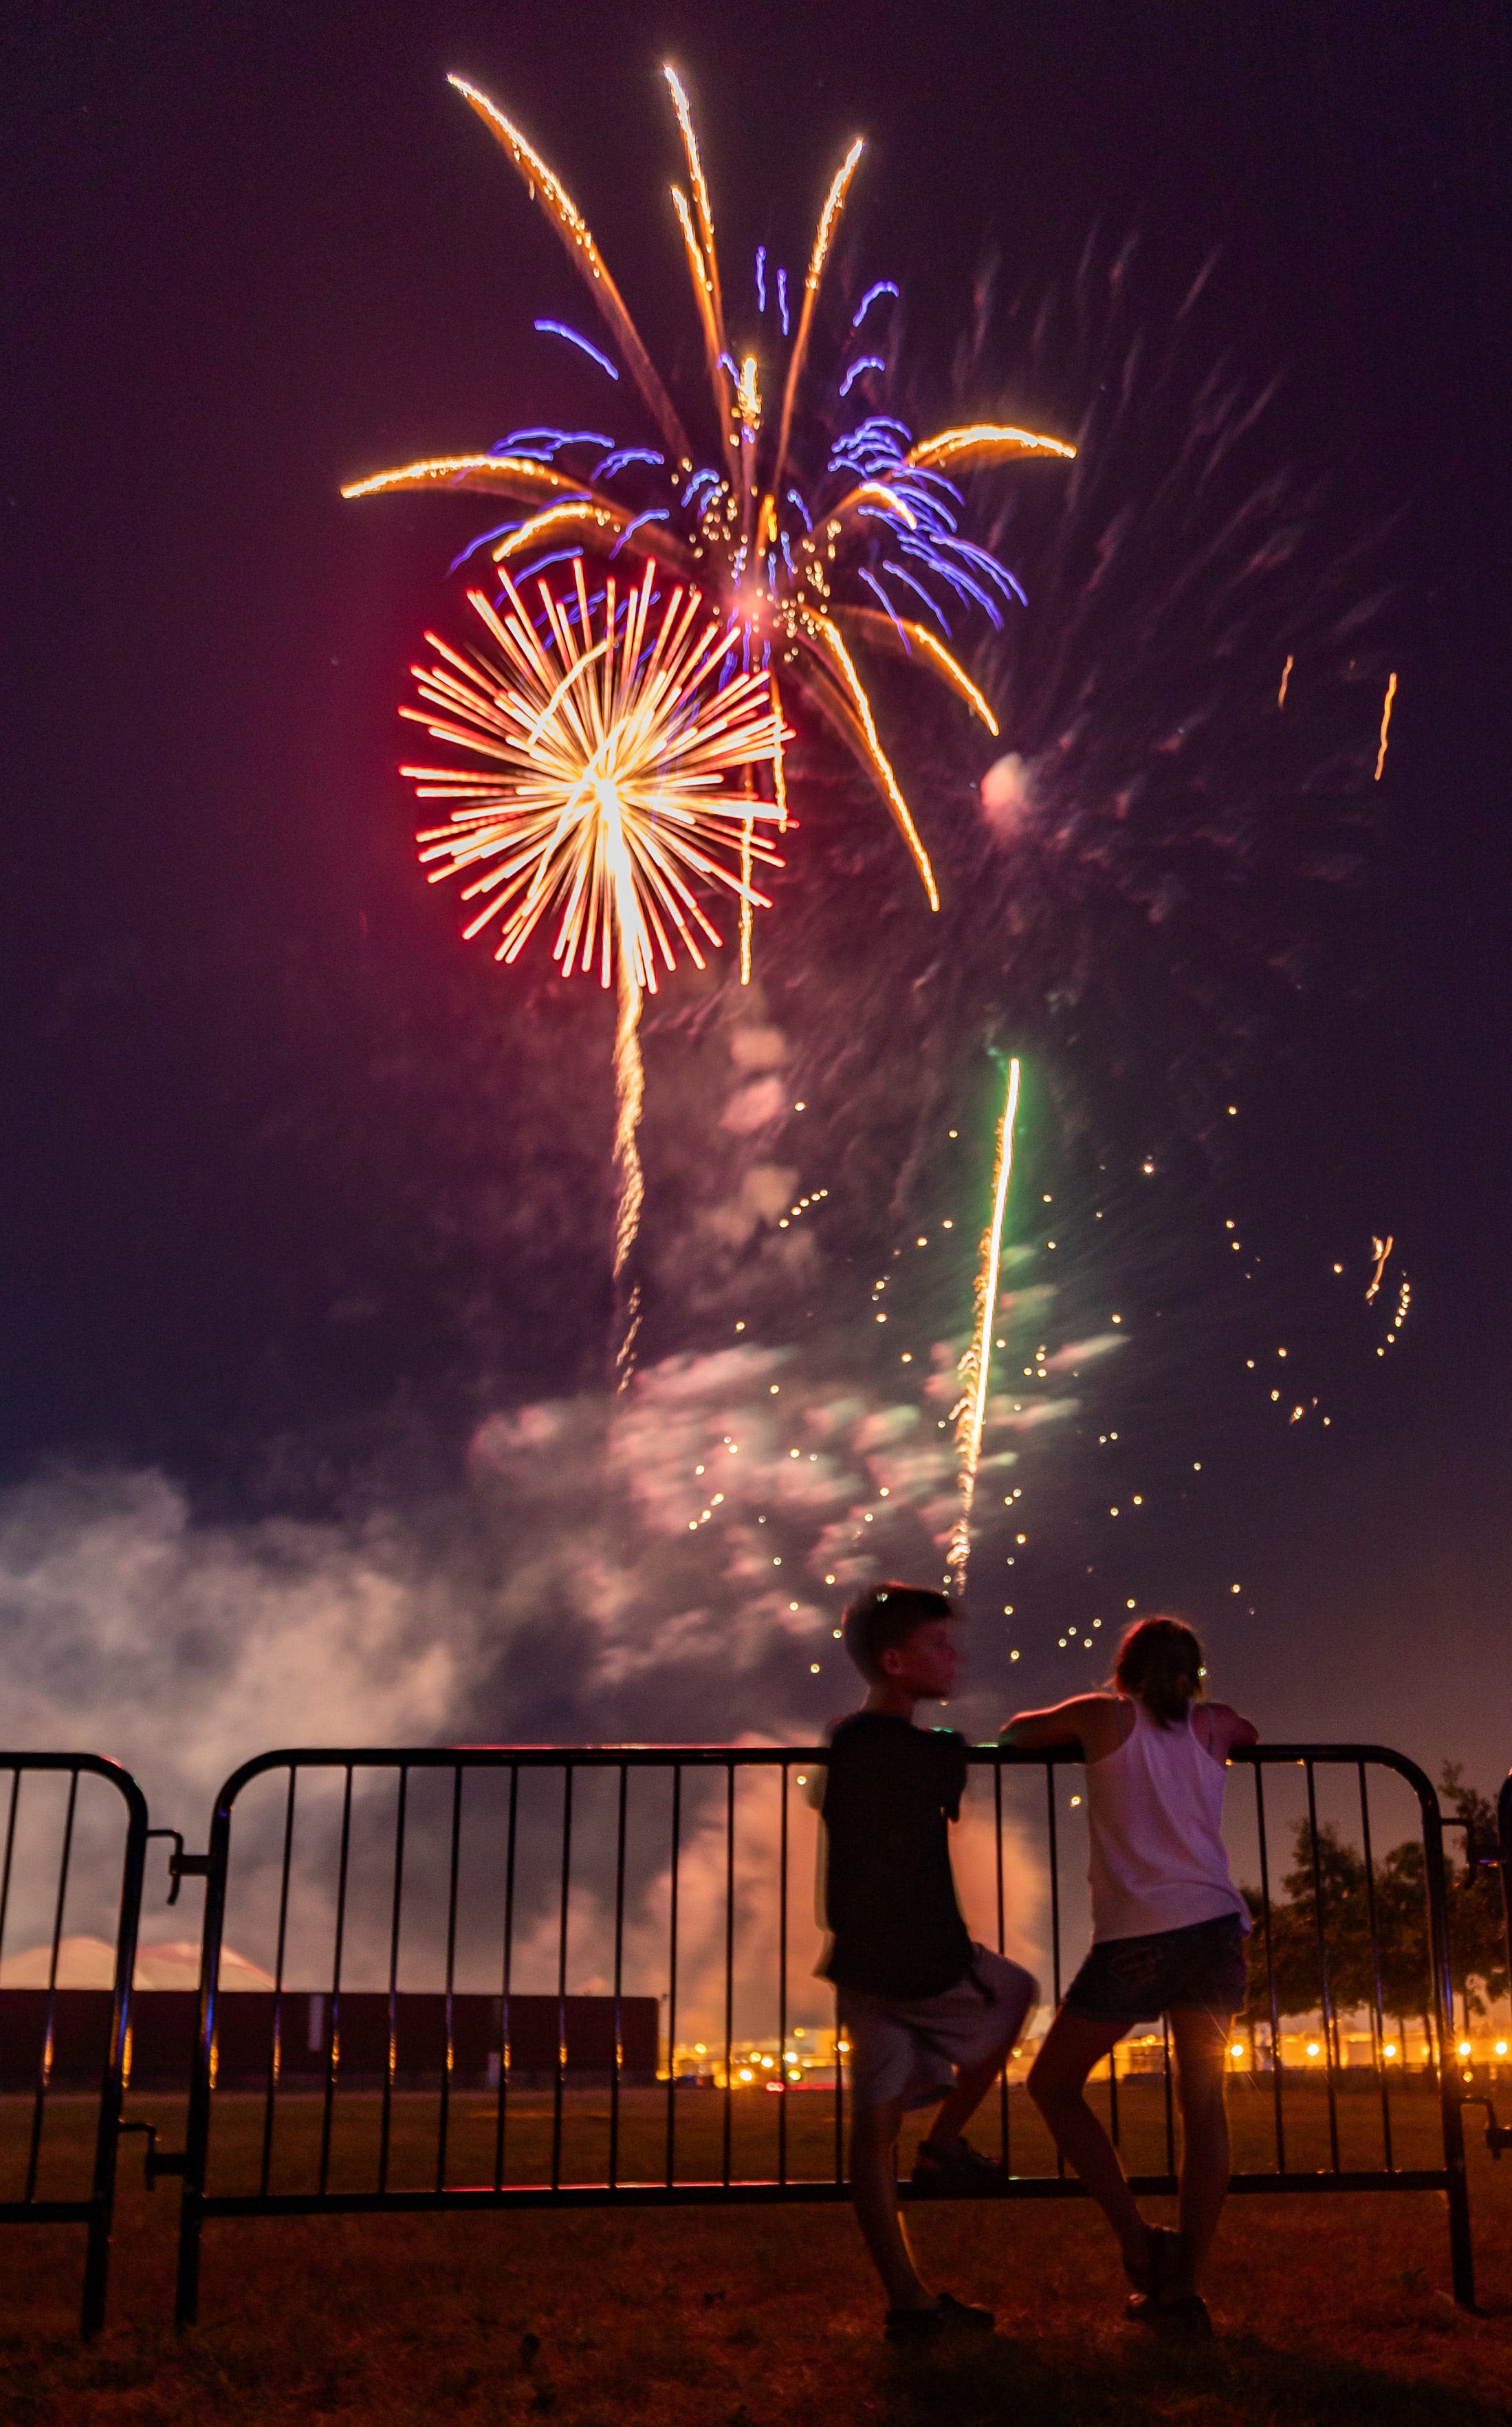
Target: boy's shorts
<point x="912" y="2049"/>
<point x="1139" y="1979"/>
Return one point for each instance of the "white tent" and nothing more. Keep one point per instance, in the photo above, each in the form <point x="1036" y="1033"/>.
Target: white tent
<point x="90" y="1964"/>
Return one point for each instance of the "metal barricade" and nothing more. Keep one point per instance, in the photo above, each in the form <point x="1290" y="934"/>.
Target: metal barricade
<point x="410" y="1904"/>
<point x="48" y="1843"/>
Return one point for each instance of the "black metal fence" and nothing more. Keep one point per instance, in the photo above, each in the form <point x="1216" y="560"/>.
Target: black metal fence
<point x="511" y="1977"/>
<point x="485" y="1881"/>
<point x="74" y="1846"/>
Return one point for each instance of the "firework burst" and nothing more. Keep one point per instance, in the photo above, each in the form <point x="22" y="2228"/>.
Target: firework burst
<point x="606" y="751"/>
<point x="808" y="568"/>
<point x="607" y="728"/>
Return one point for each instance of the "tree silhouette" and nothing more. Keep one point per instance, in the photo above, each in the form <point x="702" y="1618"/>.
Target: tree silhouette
<point x="1478" y="1942"/>
<point x="1340" y="1964"/>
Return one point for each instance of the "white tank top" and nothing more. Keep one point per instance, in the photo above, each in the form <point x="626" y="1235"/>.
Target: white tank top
<point x="1155" y="1820"/>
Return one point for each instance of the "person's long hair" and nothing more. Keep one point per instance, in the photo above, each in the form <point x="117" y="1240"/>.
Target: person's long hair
<point x="1160" y="1662"/>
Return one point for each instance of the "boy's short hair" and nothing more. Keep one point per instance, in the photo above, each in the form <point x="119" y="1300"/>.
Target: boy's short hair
<point x="885" y="1617"/>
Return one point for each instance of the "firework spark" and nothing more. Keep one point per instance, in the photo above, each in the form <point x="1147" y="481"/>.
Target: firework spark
<point x="975" y="1367"/>
<point x="606" y="745"/>
<point x="1386" y="727"/>
<point x="771" y="549"/>
<point x="629" y="1180"/>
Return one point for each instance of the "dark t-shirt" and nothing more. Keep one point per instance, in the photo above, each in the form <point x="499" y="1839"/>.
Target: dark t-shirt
<point x="890" y="1794"/>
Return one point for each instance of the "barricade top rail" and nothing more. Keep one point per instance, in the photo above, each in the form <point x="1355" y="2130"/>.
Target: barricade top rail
<point x="93" y="1765"/>
<point x="638" y="1756"/>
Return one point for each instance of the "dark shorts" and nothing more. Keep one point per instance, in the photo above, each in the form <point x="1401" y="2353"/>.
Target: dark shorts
<point x="1139" y="1979"/>
<point x="912" y="2048"/>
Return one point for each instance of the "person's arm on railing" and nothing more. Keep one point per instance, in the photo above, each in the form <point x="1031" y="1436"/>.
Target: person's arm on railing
<point x="1088" y="1721"/>
<point x="1227" y="1730"/>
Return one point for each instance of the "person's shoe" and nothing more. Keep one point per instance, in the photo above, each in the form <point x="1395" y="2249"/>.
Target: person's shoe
<point x="926" y="2325"/>
<point x="1182" y="2318"/>
<point x="958" y="2173"/>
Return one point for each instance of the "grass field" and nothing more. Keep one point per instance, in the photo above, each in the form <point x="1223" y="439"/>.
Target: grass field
<point x="1333" y="2310"/>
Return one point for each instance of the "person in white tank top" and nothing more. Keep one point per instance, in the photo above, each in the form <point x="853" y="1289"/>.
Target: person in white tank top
<point x="1169" y="1928"/>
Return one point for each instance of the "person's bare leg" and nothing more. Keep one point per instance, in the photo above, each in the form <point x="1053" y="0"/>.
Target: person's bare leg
<point x="1202" y="2085"/>
<point x="1057" y="2080"/>
<point x="874" y="2197"/>
<point x="970" y="2089"/>
<point x="972" y="2085"/>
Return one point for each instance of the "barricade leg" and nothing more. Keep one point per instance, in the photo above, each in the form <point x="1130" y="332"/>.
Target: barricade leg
<point x="1462" y="2252"/>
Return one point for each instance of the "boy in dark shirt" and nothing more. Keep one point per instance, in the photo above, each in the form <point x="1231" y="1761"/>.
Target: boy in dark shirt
<point x="929" y="2015"/>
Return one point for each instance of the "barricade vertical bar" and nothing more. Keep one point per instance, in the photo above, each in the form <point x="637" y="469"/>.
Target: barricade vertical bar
<point x="782" y="1979"/>
<point x="1461" y="2256"/>
<point x="1270" y="1974"/>
<point x="1377" y="2009"/>
<point x="619" y="1990"/>
<point x="1002" y="2078"/>
<point x="395" y="1914"/>
<point x="113" y="2085"/>
<point x="197" y="2142"/>
<point x="10" y="1846"/>
<point x="1329" y="2047"/>
<point x="1504" y="1827"/>
<point x="504" y="2050"/>
<point x="1055" y="1909"/>
<point x="729" y="1967"/>
<point x="275" y="2044"/>
<point x="671" y="1973"/>
<point x="44" y="2061"/>
<point x="559" y="2080"/>
<point x="839" y="2099"/>
<point x="449" y="2065"/>
<point x="840" y="2072"/>
<point x="333" y="2040"/>
<point x="10" y="1842"/>
<point x="1170" y="2114"/>
<point x="1056" y="1880"/>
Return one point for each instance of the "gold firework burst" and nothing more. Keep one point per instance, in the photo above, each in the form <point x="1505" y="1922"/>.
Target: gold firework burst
<point x="606" y="743"/>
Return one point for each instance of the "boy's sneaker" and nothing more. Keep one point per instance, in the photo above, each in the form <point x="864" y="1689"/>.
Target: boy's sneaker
<point x="958" y="2173"/>
<point x="924" y="2325"/>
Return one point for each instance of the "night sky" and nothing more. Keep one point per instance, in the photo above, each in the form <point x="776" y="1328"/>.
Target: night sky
<point x="305" y="1296"/>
